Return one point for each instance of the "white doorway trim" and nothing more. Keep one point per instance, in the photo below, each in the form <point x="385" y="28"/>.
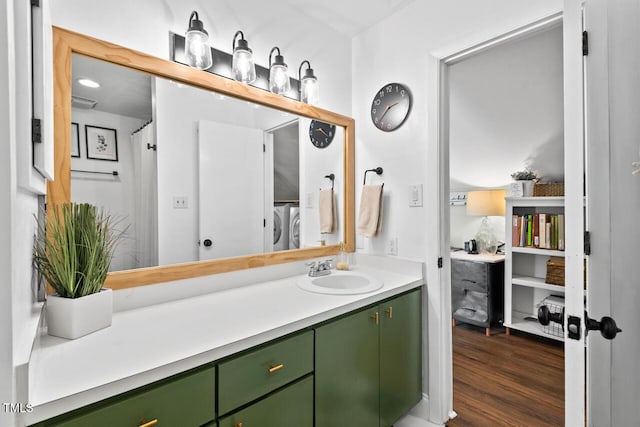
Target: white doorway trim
<point x="440" y="369"/>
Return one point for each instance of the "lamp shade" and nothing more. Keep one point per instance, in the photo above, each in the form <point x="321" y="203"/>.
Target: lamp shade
<point x="486" y="203"/>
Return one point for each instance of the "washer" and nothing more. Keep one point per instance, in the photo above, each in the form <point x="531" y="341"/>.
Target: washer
<point x="294" y="227"/>
<point x="281" y="227"/>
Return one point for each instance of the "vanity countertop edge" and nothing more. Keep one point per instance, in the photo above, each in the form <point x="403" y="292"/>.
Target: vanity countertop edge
<point x="150" y="343"/>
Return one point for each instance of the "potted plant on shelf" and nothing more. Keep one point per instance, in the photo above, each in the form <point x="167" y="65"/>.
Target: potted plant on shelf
<point x="73" y="253"/>
<point x="525" y="179"/>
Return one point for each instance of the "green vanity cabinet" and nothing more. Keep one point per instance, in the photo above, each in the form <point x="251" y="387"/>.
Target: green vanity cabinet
<point x="183" y="400"/>
<point x="400" y="356"/>
<point x="347" y="371"/>
<point x="290" y="406"/>
<point x="252" y="375"/>
<point x="369" y="364"/>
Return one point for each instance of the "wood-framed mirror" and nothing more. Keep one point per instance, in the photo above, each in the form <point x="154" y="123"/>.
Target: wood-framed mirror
<point x="68" y="45"/>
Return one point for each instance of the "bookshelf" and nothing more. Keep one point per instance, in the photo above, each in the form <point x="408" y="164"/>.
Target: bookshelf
<point x="525" y="266"/>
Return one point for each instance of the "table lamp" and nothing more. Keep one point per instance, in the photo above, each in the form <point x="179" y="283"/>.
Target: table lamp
<point x="486" y="203"/>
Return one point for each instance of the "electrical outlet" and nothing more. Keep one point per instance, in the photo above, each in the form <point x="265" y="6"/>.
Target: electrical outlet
<point x="392" y="248"/>
<point x="180" y="202"/>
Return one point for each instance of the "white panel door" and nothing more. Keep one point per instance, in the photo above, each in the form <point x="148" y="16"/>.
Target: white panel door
<point x="231" y="190"/>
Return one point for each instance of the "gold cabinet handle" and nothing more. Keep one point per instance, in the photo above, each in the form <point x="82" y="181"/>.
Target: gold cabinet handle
<point x="389" y="312"/>
<point x="376" y="317"/>
<point x="272" y="369"/>
<point x="150" y="423"/>
<point x="238" y="425"/>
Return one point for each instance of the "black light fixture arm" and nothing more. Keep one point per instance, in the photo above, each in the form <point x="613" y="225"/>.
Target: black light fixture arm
<point x="195" y="23"/>
<point x="235" y="37"/>
<point x="300" y="68"/>
<point x="275" y="48"/>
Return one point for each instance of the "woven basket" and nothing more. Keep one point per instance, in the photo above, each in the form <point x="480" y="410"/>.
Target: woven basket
<point x="555" y="271"/>
<point x="548" y="189"/>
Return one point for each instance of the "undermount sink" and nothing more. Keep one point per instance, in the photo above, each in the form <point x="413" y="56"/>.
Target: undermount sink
<point x="340" y="283"/>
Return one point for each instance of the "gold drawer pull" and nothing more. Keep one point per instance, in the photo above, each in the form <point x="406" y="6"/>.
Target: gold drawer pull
<point x="376" y="317"/>
<point x="238" y="424"/>
<point x="273" y="369"/>
<point x="389" y="312"/>
<point x="150" y="423"/>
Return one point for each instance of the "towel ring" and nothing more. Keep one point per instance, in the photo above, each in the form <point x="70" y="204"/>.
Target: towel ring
<point x="332" y="177"/>
<point x="377" y="170"/>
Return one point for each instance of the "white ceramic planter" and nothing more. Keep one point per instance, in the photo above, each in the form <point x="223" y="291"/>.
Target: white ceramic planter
<point x="527" y="188"/>
<point x="72" y="318"/>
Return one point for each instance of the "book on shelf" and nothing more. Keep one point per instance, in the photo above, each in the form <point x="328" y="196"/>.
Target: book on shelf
<point x="540" y="230"/>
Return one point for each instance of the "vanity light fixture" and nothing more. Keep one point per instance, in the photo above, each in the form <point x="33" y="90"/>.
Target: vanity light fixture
<point x="88" y="83"/>
<point x="197" y="50"/>
<point x="243" y="67"/>
<point x="308" y="84"/>
<point x="278" y="75"/>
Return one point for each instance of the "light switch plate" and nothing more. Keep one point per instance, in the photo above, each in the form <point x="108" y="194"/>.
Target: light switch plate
<point x="415" y="195"/>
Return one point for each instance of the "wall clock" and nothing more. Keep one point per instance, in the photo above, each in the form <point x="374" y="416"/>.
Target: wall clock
<point x="321" y="134"/>
<point x="390" y="107"/>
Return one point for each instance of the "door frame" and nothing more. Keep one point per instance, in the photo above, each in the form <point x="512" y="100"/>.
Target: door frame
<point x="440" y="355"/>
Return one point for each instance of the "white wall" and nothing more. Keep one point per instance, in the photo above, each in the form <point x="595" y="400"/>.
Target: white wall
<point x="115" y="194"/>
<point x="144" y="25"/>
<point x="505" y="114"/>
<point x="7" y="191"/>
<point x="396" y="50"/>
<point x="315" y="163"/>
<point x="19" y="313"/>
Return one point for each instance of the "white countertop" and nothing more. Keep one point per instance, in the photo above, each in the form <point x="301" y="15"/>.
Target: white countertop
<point x="150" y="343"/>
<point x="490" y="258"/>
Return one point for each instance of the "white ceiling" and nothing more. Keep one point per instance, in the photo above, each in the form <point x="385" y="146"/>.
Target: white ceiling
<point x="122" y="90"/>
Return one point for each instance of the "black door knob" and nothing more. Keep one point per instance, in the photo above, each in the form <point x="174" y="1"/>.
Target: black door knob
<point x="545" y="316"/>
<point x="207" y="243"/>
<point x="607" y="326"/>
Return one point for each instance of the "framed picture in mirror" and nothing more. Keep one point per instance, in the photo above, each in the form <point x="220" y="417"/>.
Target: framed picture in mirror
<point x="75" y="140"/>
<point x="102" y="143"/>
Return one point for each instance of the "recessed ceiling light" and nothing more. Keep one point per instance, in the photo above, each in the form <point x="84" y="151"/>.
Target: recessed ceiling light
<point x="89" y="83"/>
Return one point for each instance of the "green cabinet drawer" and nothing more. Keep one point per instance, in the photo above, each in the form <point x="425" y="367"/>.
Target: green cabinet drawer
<point x="185" y="400"/>
<point x="246" y="378"/>
<point x="291" y="406"/>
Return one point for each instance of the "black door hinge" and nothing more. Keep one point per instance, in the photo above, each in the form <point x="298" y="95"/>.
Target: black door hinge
<point x="264" y="222"/>
<point x="585" y="43"/>
<point x="36" y="130"/>
<point x="587" y="243"/>
<point x="264" y="148"/>
<point x="440" y="262"/>
<point x="35" y="3"/>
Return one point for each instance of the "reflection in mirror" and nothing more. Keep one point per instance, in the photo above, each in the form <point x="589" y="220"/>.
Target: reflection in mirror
<point x="200" y="176"/>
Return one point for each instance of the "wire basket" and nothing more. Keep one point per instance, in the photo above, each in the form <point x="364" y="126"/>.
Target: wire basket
<point x="555" y="304"/>
<point x="548" y="189"/>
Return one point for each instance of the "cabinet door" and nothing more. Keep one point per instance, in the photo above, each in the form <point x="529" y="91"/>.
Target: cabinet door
<point x="187" y="400"/>
<point x="291" y="406"/>
<point x="347" y="371"/>
<point x="400" y="356"/>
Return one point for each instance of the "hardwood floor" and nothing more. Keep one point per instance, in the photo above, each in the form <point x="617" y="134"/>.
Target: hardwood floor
<point x="501" y="380"/>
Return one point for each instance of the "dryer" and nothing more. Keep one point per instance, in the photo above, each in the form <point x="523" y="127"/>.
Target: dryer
<point x="281" y="227"/>
<point x="294" y="227"/>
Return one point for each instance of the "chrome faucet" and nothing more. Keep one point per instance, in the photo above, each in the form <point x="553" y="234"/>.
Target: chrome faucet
<point x="320" y="268"/>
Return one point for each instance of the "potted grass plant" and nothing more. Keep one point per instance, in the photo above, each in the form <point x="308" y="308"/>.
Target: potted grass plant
<point x="73" y="253"/>
<point x="525" y="179"/>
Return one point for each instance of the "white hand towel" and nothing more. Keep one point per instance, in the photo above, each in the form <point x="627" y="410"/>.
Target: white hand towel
<point x="370" y="215"/>
<point x="327" y="211"/>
